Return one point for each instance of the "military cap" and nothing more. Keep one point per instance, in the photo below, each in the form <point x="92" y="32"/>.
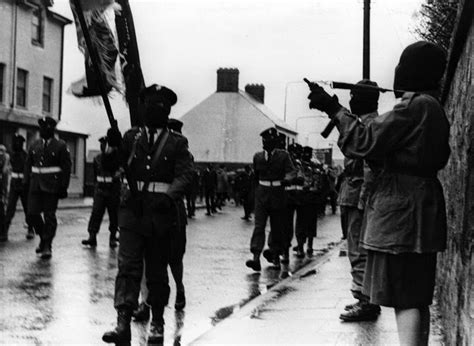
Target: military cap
<point x="270" y="133"/>
<point x="308" y="150"/>
<point x="17" y="138"/>
<point x="47" y="122"/>
<point x="158" y="93"/>
<point x="103" y="139"/>
<point x="175" y="124"/>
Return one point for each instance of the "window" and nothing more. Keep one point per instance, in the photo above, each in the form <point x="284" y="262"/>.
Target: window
<point x="2" y="77"/>
<point x="21" y="87"/>
<point x="47" y="94"/>
<point x="37" y="27"/>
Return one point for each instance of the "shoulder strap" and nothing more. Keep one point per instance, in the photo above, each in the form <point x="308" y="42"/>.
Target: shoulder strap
<point x="162" y="139"/>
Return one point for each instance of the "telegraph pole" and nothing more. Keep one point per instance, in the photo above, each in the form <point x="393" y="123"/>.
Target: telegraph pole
<point x="366" y="47"/>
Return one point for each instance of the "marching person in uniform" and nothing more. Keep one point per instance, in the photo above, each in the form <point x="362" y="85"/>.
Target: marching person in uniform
<point x="47" y="174"/>
<point x="273" y="170"/>
<point x="307" y="218"/>
<point x="17" y="190"/>
<point x="158" y="166"/>
<point x="106" y="195"/>
<point x="405" y="220"/>
<point x="352" y="199"/>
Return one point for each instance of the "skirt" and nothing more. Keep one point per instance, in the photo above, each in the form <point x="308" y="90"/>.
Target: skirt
<point x="402" y="281"/>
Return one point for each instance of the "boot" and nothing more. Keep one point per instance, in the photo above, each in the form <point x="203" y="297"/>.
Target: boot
<point x="142" y="313"/>
<point x="156" y="334"/>
<point x="268" y="255"/>
<point x="113" y="240"/>
<point x="180" y="302"/>
<point x="30" y="234"/>
<point x="40" y="247"/>
<point x="92" y="241"/>
<point x="300" y="251"/>
<point x="47" y="252"/>
<point x="121" y="333"/>
<point x="362" y="311"/>
<point x="254" y="264"/>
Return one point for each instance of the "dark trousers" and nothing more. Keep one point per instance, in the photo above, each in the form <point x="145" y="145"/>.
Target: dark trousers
<point x="135" y="250"/>
<point x="41" y="215"/>
<point x="351" y="220"/>
<point x="3" y="230"/>
<point x="210" y="201"/>
<point x="333" y="201"/>
<point x="264" y="210"/>
<point x="104" y="200"/>
<point x="16" y="194"/>
<point x="191" y="203"/>
<point x="306" y="222"/>
<point x="247" y="203"/>
<point x="290" y="212"/>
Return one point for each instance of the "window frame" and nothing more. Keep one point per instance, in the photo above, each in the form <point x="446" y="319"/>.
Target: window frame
<point x="2" y="83"/>
<point x="25" y="106"/>
<point x="37" y="29"/>
<point x="51" y="94"/>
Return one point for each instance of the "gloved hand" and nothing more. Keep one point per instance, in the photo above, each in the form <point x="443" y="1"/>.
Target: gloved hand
<point x="114" y="137"/>
<point x="321" y="100"/>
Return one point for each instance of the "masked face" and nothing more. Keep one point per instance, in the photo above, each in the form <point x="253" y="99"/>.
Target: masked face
<point x="268" y="144"/>
<point x="46" y="132"/>
<point x="360" y="106"/>
<point x="17" y="146"/>
<point x="156" y="115"/>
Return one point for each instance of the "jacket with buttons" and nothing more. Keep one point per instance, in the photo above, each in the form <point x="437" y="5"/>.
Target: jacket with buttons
<point x="43" y="155"/>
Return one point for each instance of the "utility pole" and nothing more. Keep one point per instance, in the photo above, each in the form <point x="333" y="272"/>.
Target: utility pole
<point x="366" y="48"/>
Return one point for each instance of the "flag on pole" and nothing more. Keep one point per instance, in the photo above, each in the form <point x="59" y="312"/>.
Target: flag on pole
<point x="105" y="43"/>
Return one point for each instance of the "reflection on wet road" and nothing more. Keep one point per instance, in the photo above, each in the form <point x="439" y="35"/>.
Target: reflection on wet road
<point x="69" y="299"/>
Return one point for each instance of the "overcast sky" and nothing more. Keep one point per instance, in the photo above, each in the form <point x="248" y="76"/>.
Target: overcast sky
<point x="274" y="42"/>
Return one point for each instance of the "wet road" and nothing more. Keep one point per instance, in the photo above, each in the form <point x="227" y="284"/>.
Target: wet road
<point x="69" y="299"/>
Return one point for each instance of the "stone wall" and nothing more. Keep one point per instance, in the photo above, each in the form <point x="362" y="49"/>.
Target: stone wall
<point x="456" y="265"/>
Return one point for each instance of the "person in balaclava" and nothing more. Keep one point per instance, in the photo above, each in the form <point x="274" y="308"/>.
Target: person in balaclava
<point x="158" y="167"/>
<point x="106" y="195"/>
<point x="273" y="170"/>
<point x="47" y="175"/>
<point x="357" y="178"/>
<point x="405" y="221"/>
<point x="17" y="190"/>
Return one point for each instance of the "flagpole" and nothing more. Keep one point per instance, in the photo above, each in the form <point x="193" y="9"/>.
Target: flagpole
<point x="95" y="63"/>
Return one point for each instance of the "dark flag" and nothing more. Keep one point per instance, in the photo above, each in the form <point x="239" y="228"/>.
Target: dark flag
<point x="104" y="41"/>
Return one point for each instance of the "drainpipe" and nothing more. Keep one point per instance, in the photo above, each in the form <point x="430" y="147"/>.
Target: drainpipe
<point x="13" y="55"/>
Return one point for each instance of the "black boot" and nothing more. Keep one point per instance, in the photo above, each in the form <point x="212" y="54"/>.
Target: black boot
<point x="30" y="234"/>
<point x="92" y="241"/>
<point x="47" y="252"/>
<point x="142" y="313"/>
<point x="113" y="239"/>
<point x="40" y="247"/>
<point x="362" y="311"/>
<point x="156" y="334"/>
<point x="122" y="333"/>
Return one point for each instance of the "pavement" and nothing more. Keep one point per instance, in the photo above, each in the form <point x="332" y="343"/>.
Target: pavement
<point x="305" y="309"/>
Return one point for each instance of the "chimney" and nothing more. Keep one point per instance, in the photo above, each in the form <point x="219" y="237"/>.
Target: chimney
<point x="227" y="80"/>
<point x="257" y="91"/>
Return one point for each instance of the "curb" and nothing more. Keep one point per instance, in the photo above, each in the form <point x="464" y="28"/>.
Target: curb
<point x="253" y="307"/>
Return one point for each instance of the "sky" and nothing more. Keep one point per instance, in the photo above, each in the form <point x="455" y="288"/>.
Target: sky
<point x="182" y="43"/>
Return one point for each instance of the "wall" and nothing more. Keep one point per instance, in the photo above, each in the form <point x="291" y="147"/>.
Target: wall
<point x="455" y="269"/>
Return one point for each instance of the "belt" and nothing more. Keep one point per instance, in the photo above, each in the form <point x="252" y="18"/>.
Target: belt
<point x="270" y="182"/>
<point x="294" y="187"/>
<point x="154" y="186"/>
<point x="16" y="175"/>
<point x="102" y="179"/>
<point x="46" y="170"/>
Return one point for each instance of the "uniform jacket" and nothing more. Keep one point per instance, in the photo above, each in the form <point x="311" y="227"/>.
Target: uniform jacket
<point x="278" y="167"/>
<point x="53" y="154"/>
<point x="17" y="162"/>
<point x="107" y="166"/>
<point x="4" y="170"/>
<point x="148" y="212"/>
<point x="354" y="172"/>
<point x="406" y="210"/>
<point x="209" y="180"/>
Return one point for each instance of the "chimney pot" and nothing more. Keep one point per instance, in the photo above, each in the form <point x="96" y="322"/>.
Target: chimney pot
<point x="257" y="91"/>
<point x="227" y="80"/>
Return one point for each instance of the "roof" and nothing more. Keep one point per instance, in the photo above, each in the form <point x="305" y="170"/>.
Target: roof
<point x="226" y="127"/>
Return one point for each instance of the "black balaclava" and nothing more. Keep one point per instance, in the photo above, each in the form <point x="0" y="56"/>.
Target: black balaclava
<point x="307" y="154"/>
<point x="156" y="102"/>
<point x="18" y="141"/>
<point x="269" y="143"/>
<point x="46" y="131"/>
<point x="420" y="68"/>
<point x="364" y="101"/>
